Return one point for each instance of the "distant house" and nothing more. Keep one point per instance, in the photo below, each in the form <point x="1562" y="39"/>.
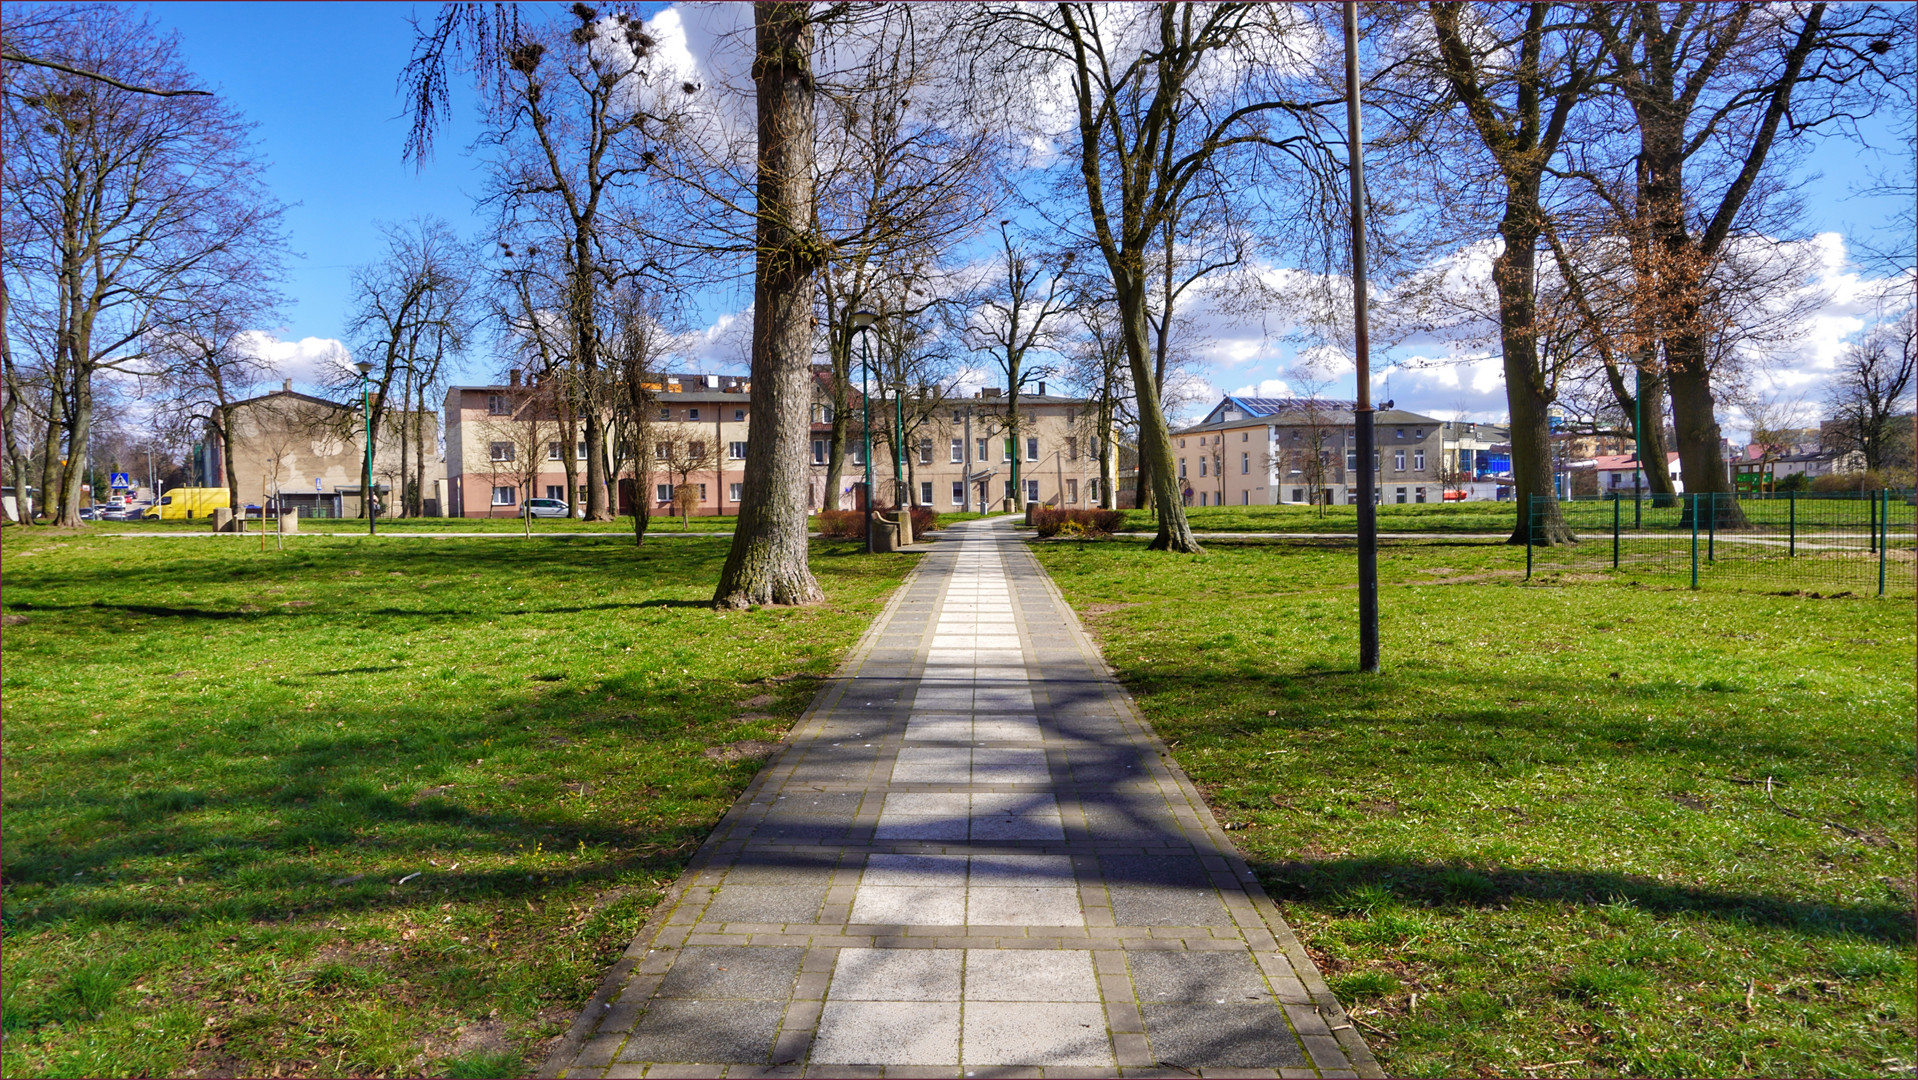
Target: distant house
<point x="1254" y="451"/>
<point x="1623" y="474"/>
<point x="300" y="452"/>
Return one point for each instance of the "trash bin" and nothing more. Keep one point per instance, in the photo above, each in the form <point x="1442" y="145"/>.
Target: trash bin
<point x="290" y="520"/>
<point x="884" y="532"/>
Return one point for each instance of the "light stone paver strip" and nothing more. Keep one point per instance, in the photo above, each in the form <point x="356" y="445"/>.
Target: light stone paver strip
<point x="973" y="858"/>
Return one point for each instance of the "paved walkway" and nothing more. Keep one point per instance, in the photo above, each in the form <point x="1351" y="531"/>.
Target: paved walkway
<point x="972" y="858"/>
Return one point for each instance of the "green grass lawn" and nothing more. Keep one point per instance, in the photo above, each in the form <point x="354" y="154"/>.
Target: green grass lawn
<point x="1548" y="819"/>
<point x="1411" y="517"/>
<point x="363" y="808"/>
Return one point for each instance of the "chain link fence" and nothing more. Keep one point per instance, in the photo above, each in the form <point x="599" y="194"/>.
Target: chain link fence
<point x="1858" y="542"/>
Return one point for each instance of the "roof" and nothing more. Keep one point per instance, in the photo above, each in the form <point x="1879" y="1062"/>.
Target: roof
<point x="1291" y="412"/>
<point x="1625" y="461"/>
<point x="296" y="394"/>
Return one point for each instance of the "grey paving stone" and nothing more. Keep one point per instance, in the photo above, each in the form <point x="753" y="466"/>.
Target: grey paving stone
<point x="731" y="971"/>
<point x="688" y="1030"/>
<point x="916" y="870"/>
<point x="765" y="904"/>
<point x="1022" y="906"/>
<point x="1030" y="975"/>
<point x="896" y="975"/>
<point x="759" y="868"/>
<point x="1028" y="870"/>
<point x="1036" y="1033"/>
<point x="887" y="1033"/>
<point x="1217" y="977"/>
<point x="891" y="905"/>
<point x="1191" y="1034"/>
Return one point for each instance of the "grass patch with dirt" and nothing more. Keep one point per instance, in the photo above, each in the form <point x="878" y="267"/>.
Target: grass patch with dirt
<point x="1575" y="827"/>
<point x="362" y="808"/>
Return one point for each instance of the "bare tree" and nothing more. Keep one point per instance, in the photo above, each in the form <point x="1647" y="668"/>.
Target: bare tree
<point x="121" y="206"/>
<point x="1020" y="312"/>
<point x="768" y="560"/>
<point x="1096" y="366"/>
<point x="412" y="308"/>
<point x="1719" y="93"/>
<point x="1167" y="100"/>
<point x="680" y="451"/>
<point x="1872" y="391"/>
<point x="206" y="366"/>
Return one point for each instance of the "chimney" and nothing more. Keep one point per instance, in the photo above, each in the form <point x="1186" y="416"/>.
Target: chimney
<point x="1042" y="388"/>
<point x="286" y="386"/>
<point x="512" y="377"/>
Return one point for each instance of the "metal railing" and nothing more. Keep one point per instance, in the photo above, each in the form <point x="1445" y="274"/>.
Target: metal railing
<point x="1800" y="541"/>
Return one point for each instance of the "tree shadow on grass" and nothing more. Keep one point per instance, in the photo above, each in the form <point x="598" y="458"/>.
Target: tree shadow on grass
<point x="1454" y="885"/>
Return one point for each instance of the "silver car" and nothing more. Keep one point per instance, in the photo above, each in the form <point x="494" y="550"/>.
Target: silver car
<point x="549" y="508"/>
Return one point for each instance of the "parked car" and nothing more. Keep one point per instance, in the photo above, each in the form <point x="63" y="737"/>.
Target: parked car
<point x="549" y="508"/>
<point x="89" y="513"/>
<point x="118" y="513"/>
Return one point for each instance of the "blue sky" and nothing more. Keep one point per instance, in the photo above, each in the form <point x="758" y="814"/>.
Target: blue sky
<point x="320" y="81"/>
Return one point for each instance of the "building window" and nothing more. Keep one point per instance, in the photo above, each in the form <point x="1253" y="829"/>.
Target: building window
<point x="496" y="405"/>
<point x="1398" y="433"/>
<point x="692" y="414"/>
<point x="505" y="496"/>
<point x="1072" y="492"/>
<point x="958" y="493"/>
<point x="1245" y="498"/>
<point x="664" y="492"/>
<point x="665" y="414"/>
<point x="737" y="451"/>
<point x="1009" y="451"/>
<point x="1032" y="491"/>
<point x="1245" y="464"/>
<point x="1072" y="449"/>
<point x="983" y="455"/>
<point x="1418" y="433"/>
<point x="696" y="450"/>
<point x="739" y="414"/>
<point x="556" y="491"/>
<point x="1181" y="468"/>
<point x="958" y="418"/>
<point x="1032" y="449"/>
<point x="1092" y="490"/>
<point x="552" y="451"/>
<point x="1398" y="461"/>
<point x="1352" y="460"/>
<point x="1376" y="455"/>
<point x="1009" y="489"/>
<point x="733" y="492"/>
<point x="1401" y="495"/>
<point x="581" y="497"/>
<point x="1418" y="494"/>
<point x="819" y="451"/>
<point x="1418" y="460"/>
<point x="581" y="450"/>
<point x="502" y="451"/>
<point x="859" y="453"/>
<point x="662" y="451"/>
<point x="1201" y="466"/>
<point x="1298" y="494"/>
<point x="958" y="451"/>
<point x="1203" y="495"/>
<point x="702" y="493"/>
<point x="925" y="493"/>
<point x="1245" y="436"/>
<point x="925" y="453"/>
<point x="1182" y="444"/>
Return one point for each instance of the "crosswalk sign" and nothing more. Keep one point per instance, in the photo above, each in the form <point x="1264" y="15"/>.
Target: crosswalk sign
<point x="118" y="480"/>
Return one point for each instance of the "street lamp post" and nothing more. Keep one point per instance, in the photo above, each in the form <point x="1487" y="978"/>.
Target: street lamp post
<point x="366" y="417"/>
<point x="1362" y="414"/>
<point x="862" y="321"/>
<point x="900" y="497"/>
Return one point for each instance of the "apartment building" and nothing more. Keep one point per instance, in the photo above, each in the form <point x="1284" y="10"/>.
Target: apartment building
<point x="306" y="453"/>
<point x="505" y="444"/>
<point x="1252" y="451"/>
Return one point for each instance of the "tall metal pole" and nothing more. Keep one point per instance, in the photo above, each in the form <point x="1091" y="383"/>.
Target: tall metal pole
<point x="1362" y="344"/>
<point x="899" y="495"/>
<point x="366" y="419"/>
<point x="865" y="425"/>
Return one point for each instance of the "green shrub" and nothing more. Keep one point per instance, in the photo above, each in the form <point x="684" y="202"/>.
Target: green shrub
<point x="1051" y="522"/>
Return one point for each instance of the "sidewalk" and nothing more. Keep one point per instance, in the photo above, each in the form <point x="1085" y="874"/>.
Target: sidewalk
<point x="972" y="858"/>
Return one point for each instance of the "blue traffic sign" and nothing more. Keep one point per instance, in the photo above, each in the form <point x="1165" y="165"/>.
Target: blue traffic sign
<point x="118" y="480"/>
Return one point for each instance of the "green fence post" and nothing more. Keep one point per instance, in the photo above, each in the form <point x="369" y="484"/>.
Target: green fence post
<point x="1694" y="499"/>
<point x="1531" y="526"/>
<point x="1871" y="532"/>
<point x="1792" y="549"/>
<point x="1711" y="526"/>
<point x="1884" y="535"/>
<point x="1616" y="510"/>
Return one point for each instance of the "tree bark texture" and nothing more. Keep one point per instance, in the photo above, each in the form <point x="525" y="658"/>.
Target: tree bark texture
<point x="768" y="560"/>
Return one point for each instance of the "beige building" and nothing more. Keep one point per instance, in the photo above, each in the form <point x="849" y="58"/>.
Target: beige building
<point x="1271" y="451"/>
<point x="504" y="444"/>
<point x="302" y="452"/>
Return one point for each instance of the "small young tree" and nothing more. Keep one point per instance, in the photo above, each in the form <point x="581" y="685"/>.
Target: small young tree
<point x="679" y="451"/>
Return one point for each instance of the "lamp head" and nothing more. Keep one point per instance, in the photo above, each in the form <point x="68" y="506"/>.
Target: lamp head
<point x="863" y="319"/>
<point x="365" y="366"/>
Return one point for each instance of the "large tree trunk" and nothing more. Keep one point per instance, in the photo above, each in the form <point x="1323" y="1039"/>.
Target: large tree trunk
<point x="79" y="428"/>
<point x="1701" y="456"/>
<point x="224" y="429"/>
<point x="1155" y="441"/>
<point x="1514" y="275"/>
<point x="767" y="564"/>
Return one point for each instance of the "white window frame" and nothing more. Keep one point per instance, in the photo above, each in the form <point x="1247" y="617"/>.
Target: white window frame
<point x="734" y="491"/>
<point x="958" y="493"/>
<point x="736" y="451"/>
<point x="501" y="451"/>
<point x="552" y="450"/>
<point x="1032" y="448"/>
<point x="958" y="451"/>
<point x="510" y="495"/>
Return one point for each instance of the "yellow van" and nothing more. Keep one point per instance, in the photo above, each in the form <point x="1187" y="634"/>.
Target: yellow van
<point x="183" y="503"/>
